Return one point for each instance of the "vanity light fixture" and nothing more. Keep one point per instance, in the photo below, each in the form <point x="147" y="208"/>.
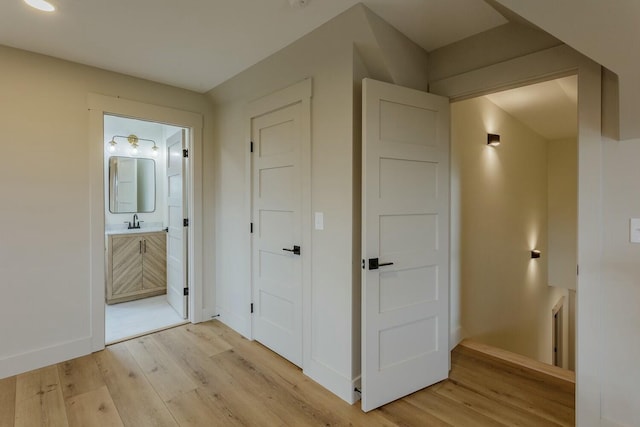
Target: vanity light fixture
<point x="493" y="139"/>
<point x="42" y="5"/>
<point x="535" y="253"/>
<point x="134" y="142"/>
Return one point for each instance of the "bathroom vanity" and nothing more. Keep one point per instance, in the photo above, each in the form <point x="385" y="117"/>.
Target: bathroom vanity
<point x="136" y="264"/>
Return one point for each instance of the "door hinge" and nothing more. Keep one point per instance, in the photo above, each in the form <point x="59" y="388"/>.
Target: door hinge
<point x="251" y="307"/>
<point x="185" y="222"/>
<point x="251" y="228"/>
<point x="251" y="146"/>
<point x="185" y="291"/>
<point x="185" y="152"/>
<point x="577" y="270"/>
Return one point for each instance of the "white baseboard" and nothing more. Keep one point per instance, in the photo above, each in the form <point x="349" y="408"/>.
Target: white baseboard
<point x="608" y="423"/>
<point x="18" y="364"/>
<point x="332" y="380"/>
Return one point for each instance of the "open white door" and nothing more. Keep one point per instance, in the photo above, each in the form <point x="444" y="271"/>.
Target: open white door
<point x="177" y="283"/>
<point x="405" y="233"/>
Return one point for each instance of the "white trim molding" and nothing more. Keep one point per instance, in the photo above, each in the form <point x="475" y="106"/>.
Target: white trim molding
<point x="99" y="105"/>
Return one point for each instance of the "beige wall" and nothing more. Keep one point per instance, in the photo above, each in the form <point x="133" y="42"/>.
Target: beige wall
<point x="620" y="294"/>
<point x="44" y="255"/>
<point x="562" y="187"/>
<point x="501" y="200"/>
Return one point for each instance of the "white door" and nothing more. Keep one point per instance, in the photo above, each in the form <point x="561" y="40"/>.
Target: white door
<point x="405" y="233"/>
<point x="277" y="231"/>
<point x="177" y="281"/>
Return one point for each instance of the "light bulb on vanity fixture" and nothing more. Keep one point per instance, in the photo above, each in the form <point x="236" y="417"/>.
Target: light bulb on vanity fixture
<point x="133" y="140"/>
<point x="154" y="150"/>
<point x="493" y="139"/>
<point x="112" y="146"/>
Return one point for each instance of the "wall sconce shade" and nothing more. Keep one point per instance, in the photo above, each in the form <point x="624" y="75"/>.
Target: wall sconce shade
<point x="535" y="254"/>
<point x="493" y="139"/>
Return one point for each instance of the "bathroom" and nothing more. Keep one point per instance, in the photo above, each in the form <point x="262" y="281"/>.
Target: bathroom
<point x="145" y="233"/>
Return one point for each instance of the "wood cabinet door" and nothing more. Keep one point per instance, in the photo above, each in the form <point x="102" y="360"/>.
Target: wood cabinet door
<point x="154" y="261"/>
<point x="127" y="265"/>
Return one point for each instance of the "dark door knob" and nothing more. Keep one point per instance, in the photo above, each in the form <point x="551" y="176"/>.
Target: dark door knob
<point x="295" y="250"/>
<point x="374" y="264"/>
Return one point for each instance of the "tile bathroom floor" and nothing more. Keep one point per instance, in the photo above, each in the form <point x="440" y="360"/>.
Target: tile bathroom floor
<point x="134" y="318"/>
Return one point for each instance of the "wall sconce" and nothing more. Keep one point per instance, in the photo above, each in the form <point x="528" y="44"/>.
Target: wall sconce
<point x="493" y="139"/>
<point x="535" y="253"/>
<point x="133" y="140"/>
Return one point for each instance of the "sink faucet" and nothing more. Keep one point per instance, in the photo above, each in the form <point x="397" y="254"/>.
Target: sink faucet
<point x="136" y="223"/>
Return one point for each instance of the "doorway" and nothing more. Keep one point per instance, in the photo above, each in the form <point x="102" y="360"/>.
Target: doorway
<point x="514" y="196"/>
<point x="145" y="233"/>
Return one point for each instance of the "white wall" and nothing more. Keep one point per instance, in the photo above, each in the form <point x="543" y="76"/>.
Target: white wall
<point x="501" y="201"/>
<point x="44" y="255"/>
<point x="620" y="294"/>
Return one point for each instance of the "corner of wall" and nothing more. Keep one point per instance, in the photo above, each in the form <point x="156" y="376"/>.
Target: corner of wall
<point x="405" y="61"/>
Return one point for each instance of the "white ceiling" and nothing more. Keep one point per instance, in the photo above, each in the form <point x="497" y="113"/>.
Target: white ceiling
<point x="198" y="44"/>
<point x="549" y="108"/>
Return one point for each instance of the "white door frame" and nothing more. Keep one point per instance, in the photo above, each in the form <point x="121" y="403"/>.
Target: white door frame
<point x="99" y="105"/>
<point x="298" y="92"/>
<point x="544" y="65"/>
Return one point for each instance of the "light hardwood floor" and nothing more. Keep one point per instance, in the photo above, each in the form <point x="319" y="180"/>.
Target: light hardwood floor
<point x="207" y="375"/>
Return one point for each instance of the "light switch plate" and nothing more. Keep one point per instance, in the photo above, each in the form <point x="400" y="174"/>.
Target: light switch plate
<point x="319" y="220"/>
<point x="634" y="230"/>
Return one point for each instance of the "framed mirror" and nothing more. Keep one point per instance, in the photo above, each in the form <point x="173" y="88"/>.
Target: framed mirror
<point x="132" y="185"/>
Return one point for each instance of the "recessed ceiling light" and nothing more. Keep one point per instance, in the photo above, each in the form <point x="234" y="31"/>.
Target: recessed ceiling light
<point x="43" y="5"/>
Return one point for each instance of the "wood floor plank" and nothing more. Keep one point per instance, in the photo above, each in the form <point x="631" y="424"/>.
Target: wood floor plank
<point x="546" y="382"/>
<point x="136" y="400"/>
<point x="93" y="408"/>
<point x="162" y="371"/>
<point x="532" y="384"/>
<point x="197" y="409"/>
<point x="7" y="401"/>
<point x="405" y="414"/>
<point x="502" y="413"/>
<point x="79" y="376"/>
<point x="507" y="358"/>
<point x="290" y="376"/>
<point x="218" y="385"/>
<point x="39" y="400"/>
<point x="206" y="339"/>
<point x="448" y="410"/>
<point x="483" y="383"/>
<point x="283" y="400"/>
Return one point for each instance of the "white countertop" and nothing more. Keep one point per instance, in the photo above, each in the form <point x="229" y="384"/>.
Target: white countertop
<point x="134" y="230"/>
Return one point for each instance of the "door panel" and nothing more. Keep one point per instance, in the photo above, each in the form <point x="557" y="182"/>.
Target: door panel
<point x="405" y="222"/>
<point x="277" y="203"/>
<point x="177" y="234"/>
